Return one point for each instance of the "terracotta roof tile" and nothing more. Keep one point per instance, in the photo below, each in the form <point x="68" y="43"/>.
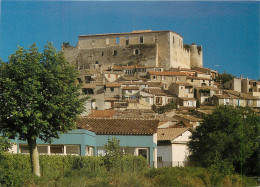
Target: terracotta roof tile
<point x="111" y="99"/>
<point x="154" y="91"/>
<point x="188" y="117"/>
<point x="130" y="88"/>
<point x="227" y="96"/>
<point x="198" y="78"/>
<point x="113" y="85"/>
<point x="119" y="125"/>
<point x="183" y="83"/>
<point x="102" y="113"/>
<point x="129" y="67"/>
<point x="170" y="133"/>
<point x="117" y="68"/>
<point x="167" y="73"/>
<point x="89" y="85"/>
<point x="241" y="95"/>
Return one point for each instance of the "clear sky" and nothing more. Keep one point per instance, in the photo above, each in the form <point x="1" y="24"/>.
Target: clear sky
<point x="227" y="31"/>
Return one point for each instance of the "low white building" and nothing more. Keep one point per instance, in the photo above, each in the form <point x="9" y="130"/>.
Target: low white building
<point x="172" y="146"/>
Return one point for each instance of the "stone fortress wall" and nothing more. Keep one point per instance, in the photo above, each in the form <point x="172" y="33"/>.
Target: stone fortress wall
<point x="144" y="48"/>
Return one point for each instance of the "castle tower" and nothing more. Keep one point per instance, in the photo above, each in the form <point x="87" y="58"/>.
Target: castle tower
<point x="196" y="56"/>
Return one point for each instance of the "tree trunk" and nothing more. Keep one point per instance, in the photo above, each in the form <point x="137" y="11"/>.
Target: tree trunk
<point x="34" y="157"/>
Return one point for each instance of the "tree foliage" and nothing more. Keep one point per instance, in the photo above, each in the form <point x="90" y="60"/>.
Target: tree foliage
<point x="166" y="108"/>
<point x="224" y="77"/>
<point x="5" y="144"/>
<point x="39" y="97"/>
<point x="228" y="136"/>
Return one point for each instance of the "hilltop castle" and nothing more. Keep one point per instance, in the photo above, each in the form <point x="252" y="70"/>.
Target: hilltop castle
<point x="143" y="48"/>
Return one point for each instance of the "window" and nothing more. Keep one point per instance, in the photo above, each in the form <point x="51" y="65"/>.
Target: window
<point x="136" y="51"/>
<point x="158" y="100"/>
<point x="72" y="149"/>
<point x="102" y="53"/>
<point x="42" y="149"/>
<point x="127" y="41"/>
<point x="159" y="159"/>
<point x="107" y="41"/>
<point x="191" y="80"/>
<point x="101" y="151"/>
<point x="117" y="40"/>
<point x="155" y="39"/>
<point x="173" y="39"/>
<point x="24" y="148"/>
<point x="112" y="89"/>
<point x="143" y="152"/>
<point x="57" y="149"/>
<point x="115" y="52"/>
<point x="141" y="39"/>
<point x="177" y="78"/>
<point x="154" y="77"/>
<point x="89" y="151"/>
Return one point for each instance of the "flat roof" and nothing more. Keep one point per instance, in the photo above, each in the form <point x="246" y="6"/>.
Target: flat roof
<point x="128" y="33"/>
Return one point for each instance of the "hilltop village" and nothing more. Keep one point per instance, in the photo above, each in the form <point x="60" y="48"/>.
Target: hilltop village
<point x="147" y="89"/>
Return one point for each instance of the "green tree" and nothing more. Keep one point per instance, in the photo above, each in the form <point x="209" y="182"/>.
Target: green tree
<point x="5" y="144"/>
<point x="224" y="77"/>
<point x="112" y="153"/>
<point x="39" y="97"/>
<point x="229" y="136"/>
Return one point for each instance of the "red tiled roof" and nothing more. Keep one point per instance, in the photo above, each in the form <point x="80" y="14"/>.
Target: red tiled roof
<point x="117" y="68"/>
<point x="183" y="83"/>
<point x="130" y="88"/>
<point x="167" y="73"/>
<point x="89" y="85"/>
<point x="111" y="99"/>
<point x="154" y="91"/>
<point x="170" y="133"/>
<point x="102" y="113"/>
<point x="113" y="85"/>
<point x="119" y="125"/>
<point x="129" y="67"/>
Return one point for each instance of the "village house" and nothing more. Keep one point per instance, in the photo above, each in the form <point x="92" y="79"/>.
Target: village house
<point x="139" y="136"/>
<point x="204" y="94"/>
<point x="182" y="89"/>
<point x="166" y="77"/>
<point x="172" y="146"/>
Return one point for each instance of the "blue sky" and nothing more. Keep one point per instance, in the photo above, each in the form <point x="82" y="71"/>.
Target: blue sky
<point x="227" y="31"/>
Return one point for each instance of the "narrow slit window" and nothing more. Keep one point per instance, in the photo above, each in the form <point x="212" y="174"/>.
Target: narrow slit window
<point x="127" y="41"/>
<point x="141" y="39"/>
<point x="115" y="52"/>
